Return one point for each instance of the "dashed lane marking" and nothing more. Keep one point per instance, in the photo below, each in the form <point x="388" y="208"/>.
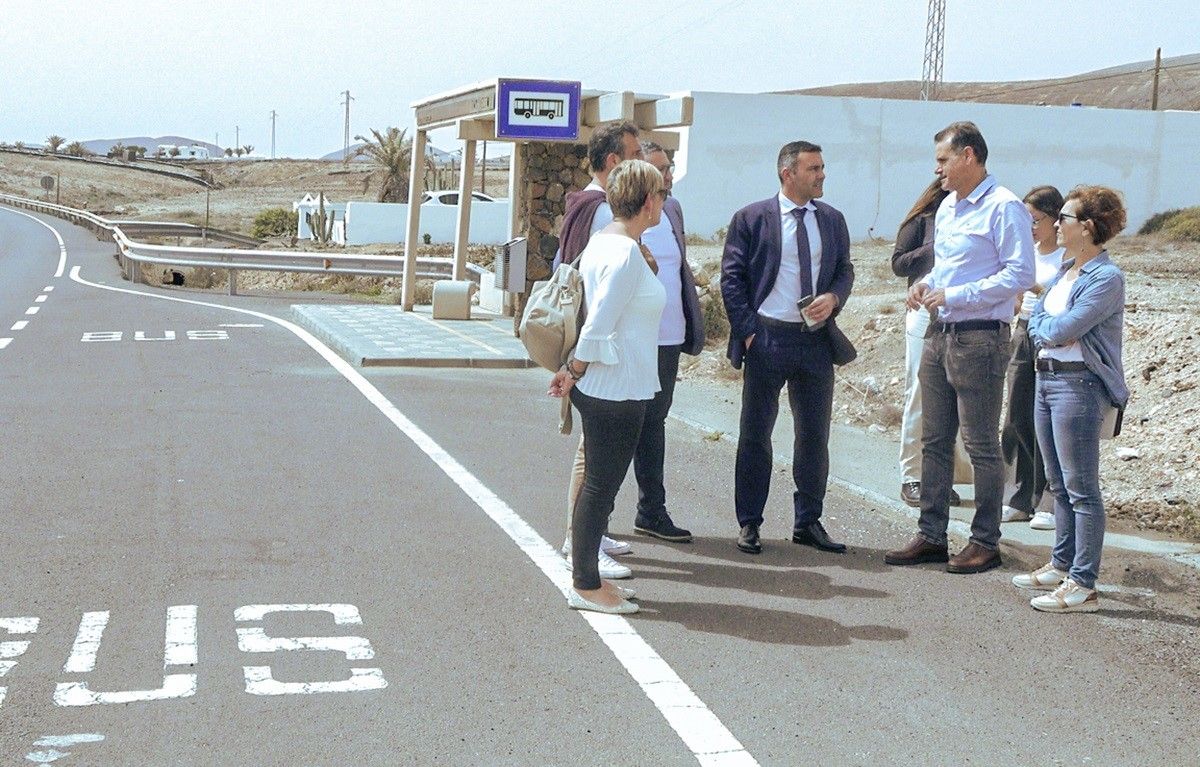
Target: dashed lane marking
<point x="20" y="324"/>
<point x="705" y="736"/>
<point x="5" y="342"/>
<point x="32" y="310"/>
<point x="40" y="299"/>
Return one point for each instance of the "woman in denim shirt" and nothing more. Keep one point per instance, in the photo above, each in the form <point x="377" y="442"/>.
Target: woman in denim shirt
<point x="1077" y="327"/>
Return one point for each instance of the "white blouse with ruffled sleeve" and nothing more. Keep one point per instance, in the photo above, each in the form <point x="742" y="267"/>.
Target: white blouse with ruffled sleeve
<point x="619" y="339"/>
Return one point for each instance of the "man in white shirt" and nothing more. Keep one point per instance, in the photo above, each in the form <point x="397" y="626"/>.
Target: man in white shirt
<point x="785" y="274"/>
<point x="983" y="259"/>
<point x="681" y="331"/>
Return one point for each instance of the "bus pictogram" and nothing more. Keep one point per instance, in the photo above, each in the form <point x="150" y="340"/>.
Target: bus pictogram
<point x="528" y="108"/>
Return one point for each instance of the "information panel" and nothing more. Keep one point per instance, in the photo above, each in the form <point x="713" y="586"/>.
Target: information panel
<point x="537" y="109"/>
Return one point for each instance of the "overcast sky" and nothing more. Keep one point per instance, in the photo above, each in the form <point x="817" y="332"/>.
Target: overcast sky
<point x="89" y="70"/>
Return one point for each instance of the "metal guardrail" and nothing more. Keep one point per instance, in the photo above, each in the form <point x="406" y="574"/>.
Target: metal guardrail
<point x="131" y="253"/>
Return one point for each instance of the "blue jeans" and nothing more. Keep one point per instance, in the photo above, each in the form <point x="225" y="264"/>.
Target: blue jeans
<point x="1068" y="411"/>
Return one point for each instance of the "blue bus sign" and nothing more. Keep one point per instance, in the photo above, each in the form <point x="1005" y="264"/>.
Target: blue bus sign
<point x="537" y="109"/>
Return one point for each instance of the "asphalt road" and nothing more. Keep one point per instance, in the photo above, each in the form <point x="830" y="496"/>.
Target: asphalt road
<point x="220" y="545"/>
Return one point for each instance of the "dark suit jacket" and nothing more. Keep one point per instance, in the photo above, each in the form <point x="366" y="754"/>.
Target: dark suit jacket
<point x="693" y="317"/>
<point x="750" y="264"/>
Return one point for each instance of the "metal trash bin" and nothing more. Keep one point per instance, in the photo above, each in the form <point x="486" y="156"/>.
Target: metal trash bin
<point x="452" y="299"/>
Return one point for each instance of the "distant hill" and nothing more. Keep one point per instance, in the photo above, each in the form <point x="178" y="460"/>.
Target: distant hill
<point x="439" y="157"/>
<point x="1125" y="87"/>
<point x="102" y="145"/>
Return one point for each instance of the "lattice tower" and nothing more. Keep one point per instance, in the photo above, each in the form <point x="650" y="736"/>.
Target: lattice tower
<point x="935" y="38"/>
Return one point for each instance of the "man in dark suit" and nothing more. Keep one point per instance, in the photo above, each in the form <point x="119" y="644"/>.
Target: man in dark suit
<point x="785" y="275"/>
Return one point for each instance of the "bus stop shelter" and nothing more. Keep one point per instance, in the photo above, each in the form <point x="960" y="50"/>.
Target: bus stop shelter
<point x="497" y="110"/>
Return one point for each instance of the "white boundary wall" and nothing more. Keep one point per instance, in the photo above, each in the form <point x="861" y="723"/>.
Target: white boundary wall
<point x="879" y="153"/>
<point x="379" y="222"/>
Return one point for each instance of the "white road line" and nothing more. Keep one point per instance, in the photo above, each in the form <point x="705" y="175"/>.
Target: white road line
<point x="48" y="288"/>
<point x="32" y="310"/>
<point x="62" y="246"/>
<point x="40" y="299"/>
<point x="20" y="324"/>
<point x="702" y="732"/>
<point x="239" y="325"/>
<point x="181" y="647"/>
<point x="87" y="643"/>
<point x="5" y="342"/>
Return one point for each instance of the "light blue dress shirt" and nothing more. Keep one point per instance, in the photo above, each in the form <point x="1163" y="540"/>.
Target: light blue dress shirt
<point x="983" y="253"/>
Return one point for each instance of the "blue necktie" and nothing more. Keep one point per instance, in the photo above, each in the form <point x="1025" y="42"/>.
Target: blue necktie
<point x="804" y="252"/>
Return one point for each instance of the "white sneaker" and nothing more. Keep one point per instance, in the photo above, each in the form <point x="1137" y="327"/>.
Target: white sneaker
<point x="610" y="569"/>
<point x="613" y="547"/>
<point x="1009" y="514"/>
<point x="1045" y="578"/>
<point x="1042" y="520"/>
<point x="1070" y="597"/>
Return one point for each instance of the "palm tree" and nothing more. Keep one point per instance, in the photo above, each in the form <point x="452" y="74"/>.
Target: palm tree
<point x="54" y="142"/>
<point x="76" y="149"/>
<point x="248" y="148"/>
<point x="392" y="152"/>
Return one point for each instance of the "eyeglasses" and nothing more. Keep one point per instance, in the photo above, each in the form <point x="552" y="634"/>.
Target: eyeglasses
<point x="665" y="169"/>
<point x="1063" y="216"/>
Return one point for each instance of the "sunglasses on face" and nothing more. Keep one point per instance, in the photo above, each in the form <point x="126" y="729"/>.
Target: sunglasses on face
<point x="1062" y="217"/>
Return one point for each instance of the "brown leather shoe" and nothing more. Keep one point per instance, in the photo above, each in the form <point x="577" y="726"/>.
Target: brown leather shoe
<point x="973" y="559"/>
<point x="917" y="551"/>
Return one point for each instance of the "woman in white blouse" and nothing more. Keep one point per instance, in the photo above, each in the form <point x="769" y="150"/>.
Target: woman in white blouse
<point x="613" y="371"/>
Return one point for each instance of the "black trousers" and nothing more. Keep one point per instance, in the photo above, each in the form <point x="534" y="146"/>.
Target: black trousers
<point x="610" y="435"/>
<point x="649" y="457"/>
<point x="803" y="361"/>
<point x="1025" y="474"/>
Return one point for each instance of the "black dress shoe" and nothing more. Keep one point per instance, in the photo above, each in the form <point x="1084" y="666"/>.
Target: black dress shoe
<point x="661" y="527"/>
<point x="748" y="540"/>
<point x="814" y="535"/>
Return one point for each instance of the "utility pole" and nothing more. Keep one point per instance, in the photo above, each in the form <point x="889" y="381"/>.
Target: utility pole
<point x="346" y="134"/>
<point x="217" y="139"/>
<point x="1154" y="91"/>
<point x="483" y="171"/>
<point x="935" y="41"/>
<point x="274" y="114"/>
<point x="237" y="136"/>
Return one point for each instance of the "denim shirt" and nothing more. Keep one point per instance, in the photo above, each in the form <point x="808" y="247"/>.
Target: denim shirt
<point x="1095" y="317"/>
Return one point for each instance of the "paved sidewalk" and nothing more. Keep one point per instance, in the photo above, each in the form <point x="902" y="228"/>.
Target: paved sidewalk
<point x="374" y="335"/>
<point x="867" y="463"/>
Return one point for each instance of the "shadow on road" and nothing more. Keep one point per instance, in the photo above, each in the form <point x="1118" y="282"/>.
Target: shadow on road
<point x="775" y="579"/>
<point x="759" y="624"/>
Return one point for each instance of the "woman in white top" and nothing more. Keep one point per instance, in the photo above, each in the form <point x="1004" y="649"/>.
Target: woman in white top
<point x="613" y="372"/>
<point x="1025" y="476"/>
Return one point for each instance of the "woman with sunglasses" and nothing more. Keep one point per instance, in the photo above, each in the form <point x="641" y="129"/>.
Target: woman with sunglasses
<point x="1077" y="329"/>
<point x="1025" y="476"/>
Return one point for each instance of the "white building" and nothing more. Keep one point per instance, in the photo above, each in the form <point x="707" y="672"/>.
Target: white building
<point x="190" y="152"/>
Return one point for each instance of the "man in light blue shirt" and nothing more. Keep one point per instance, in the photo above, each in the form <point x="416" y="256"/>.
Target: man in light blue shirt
<point x="983" y="259"/>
